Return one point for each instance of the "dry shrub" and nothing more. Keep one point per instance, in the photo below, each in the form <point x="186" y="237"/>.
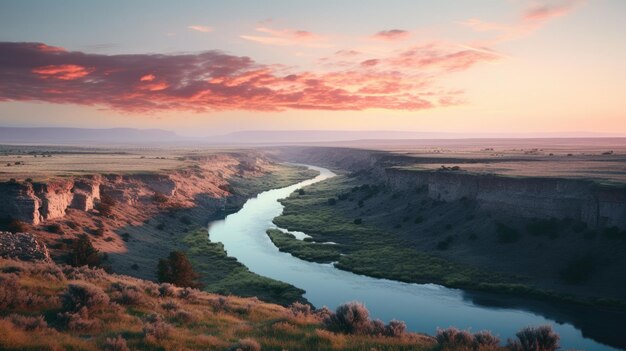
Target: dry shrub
<point x="323" y="313"/>
<point x="455" y="339"/>
<point x="28" y="323"/>
<point x="78" y="321"/>
<point x="125" y="294"/>
<point x="116" y="344"/>
<point x="300" y="309"/>
<point x="395" y="328"/>
<point x="170" y="306"/>
<point x="14" y="297"/>
<point x="247" y="344"/>
<point x="183" y="316"/>
<point x="167" y="290"/>
<point x="80" y="296"/>
<point x="219" y="304"/>
<point x="351" y="318"/>
<point x="189" y="294"/>
<point x="155" y="328"/>
<point x="541" y="338"/>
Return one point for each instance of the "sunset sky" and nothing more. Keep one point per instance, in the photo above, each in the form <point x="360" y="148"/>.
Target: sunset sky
<point x="209" y="67"/>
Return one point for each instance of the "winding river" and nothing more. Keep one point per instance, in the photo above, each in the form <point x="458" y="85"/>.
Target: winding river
<point x="424" y="307"/>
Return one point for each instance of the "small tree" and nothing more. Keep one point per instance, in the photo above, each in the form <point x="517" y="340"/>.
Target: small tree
<point x="177" y="270"/>
<point x="83" y="253"/>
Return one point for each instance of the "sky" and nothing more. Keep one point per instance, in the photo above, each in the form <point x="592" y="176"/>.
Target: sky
<point x="210" y="67"/>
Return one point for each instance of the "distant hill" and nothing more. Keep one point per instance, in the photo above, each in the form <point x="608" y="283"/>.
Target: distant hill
<point x="85" y="135"/>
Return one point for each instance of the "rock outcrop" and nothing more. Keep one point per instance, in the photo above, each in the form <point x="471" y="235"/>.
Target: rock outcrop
<point x="595" y="204"/>
<point x="23" y="246"/>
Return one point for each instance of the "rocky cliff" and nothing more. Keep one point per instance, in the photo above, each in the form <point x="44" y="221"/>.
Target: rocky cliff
<point x="592" y="203"/>
<point x="35" y="202"/>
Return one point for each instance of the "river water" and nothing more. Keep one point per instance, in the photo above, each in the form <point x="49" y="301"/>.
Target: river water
<point x="424" y="307"/>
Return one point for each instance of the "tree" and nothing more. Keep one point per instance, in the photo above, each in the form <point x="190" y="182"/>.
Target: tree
<point x="177" y="269"/>
<point x="83" y="253"/>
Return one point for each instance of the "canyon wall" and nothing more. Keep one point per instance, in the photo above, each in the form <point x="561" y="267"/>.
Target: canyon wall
<point x="596" y="205"/>
<point x="36" y="202"/>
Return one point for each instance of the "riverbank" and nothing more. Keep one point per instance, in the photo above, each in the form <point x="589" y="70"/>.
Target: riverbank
<point x="411" y="238"/>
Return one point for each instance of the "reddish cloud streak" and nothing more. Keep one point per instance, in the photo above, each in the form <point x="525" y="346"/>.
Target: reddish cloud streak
<point x="213" y="81"/>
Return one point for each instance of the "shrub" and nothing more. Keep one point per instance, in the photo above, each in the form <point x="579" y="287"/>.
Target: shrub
<point x="126" y="294"/>
<point x="177" y="270"/>
<point x="395" y="328"/>
<point x="484" y="340"/>
<point x="156" y="328"/>
<point x="541" y="338"/>
<point x="300" y="309"/>
<point x="358" y="221"/>
<point x="183" y="316"/>
<point x="77" y="321"/>
<point x="332" y="201"/>
<point x="351" y="318"/>
<point x="247" y="344"/>
<point x="544" y="227"/>
<point x="83" y="253"/>
<point x="83" y="295"/>
<point x="188" y="294"/>
<point x="166" y="289"/>
<point x="170" y="305"/>
<point x="301" y="192"/>
<point x="185" y="220"/>
<point x="418" y="220"/>
<point x="17" y="226"/>
<point x="116" y="344"/>
<point x="160" y="226"/>
<point x="28" y="323"/>
<point x="454" y="339"/>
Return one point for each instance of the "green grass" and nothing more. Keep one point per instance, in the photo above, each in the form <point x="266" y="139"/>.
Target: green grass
<point x="369" y="249"/>
<point x="225" y="275"/>
<point x="310" y="251"/>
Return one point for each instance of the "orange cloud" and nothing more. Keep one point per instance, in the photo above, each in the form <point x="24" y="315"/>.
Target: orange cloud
<point x="391" y="35"/>
<point x="147" y="78"/>
<point x="63" y="72"/>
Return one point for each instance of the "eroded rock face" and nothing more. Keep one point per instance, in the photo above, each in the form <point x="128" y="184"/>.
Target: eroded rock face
<point x="18" y="201"/>
<point x="23" y="246"/>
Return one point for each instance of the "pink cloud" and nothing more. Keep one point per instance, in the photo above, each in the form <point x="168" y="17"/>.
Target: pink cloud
<point x="200" y="28"/>
<point x="391" y="35"/>
<point x="531" y="20"/>
<point x="214" y="81"/>
<point x="286" y="37"/>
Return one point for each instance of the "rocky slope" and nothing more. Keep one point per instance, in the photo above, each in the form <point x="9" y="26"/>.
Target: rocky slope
<point x="596" y="205"/>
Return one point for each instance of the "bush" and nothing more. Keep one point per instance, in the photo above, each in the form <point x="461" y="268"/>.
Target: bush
<point x="28" y="323"/>
<point x="16" y="226"/>
<point x="395" y="328"/>
<point x="300" y="309"/>
<point x="83" y="253"/>
<point x="350" y="318"/>
<point x="358" y="221"/>
<point x="454" y="339"/>
<point x="177" y="270"/>
<point x="83" y="295"/>
<point x="544" y="227"/>
<point x="332" y="201"/>
<point x="247" y="344"/>
<point x="159" y="198"/>
<point x="156" y="328"/>
<point x="126" y="294"/>
<point x="185" y="220"/>
<point x="116" y="344"/>
<point x="301" y="192"/>
<point x="541" y="338"/>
